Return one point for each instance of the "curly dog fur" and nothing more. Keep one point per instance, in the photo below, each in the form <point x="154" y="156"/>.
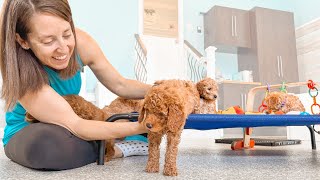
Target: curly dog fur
<point x="165" y="110"/>
<point x="122" y="105"/>
<point x="208" y="90"/>
<point x="85" y="110"/>
<point x="280" y="101"/>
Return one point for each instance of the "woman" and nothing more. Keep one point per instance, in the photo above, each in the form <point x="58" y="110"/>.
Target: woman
<point x="40" y="59"/>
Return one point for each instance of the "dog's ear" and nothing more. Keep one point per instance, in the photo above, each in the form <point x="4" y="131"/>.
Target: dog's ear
<point x="142" y="114"/>
<point x="176" y="118"/>
<point x="200" y="86"/>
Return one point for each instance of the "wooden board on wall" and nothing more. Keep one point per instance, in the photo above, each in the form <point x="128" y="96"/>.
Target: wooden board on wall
<point x="160" y="18"/>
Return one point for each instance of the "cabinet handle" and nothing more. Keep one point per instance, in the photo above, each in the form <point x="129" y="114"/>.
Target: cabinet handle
<point x="281" y="67"/>
<point x="235" y="26"/>
<point x="232" y="26"/>
<point x="278" y="60"/>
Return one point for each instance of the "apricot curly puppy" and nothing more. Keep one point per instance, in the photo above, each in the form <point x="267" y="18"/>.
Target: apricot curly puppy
<point x="165" y="110"/>
<point x="280" y="101"/>
<point x="208" y="90"/>
<point x="85" y="110"/>
<point x="122" y="105"/>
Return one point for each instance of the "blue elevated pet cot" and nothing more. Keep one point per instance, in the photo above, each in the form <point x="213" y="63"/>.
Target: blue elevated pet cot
<point x="218" y="121"/>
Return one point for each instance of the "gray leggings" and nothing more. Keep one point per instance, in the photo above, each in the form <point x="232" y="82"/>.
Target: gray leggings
<point x="50" y="147"/>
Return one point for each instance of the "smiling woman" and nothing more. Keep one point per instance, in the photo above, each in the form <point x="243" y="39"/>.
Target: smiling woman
<point x="41" y="55"/>
<point x="53" y="46"/>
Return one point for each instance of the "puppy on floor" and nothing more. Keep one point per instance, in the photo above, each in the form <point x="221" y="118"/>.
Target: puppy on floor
<point x="165" y="110"/>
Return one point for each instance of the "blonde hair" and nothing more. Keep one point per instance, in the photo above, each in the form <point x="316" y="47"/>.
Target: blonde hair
<point x="21" y="70"/>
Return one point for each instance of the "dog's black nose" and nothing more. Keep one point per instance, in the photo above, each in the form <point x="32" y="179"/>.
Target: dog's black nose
<point x="149" y="125"/>
<point x="215" y="96"/>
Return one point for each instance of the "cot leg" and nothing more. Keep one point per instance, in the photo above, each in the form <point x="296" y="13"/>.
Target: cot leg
<point x="102" y="143"/>
<point x="246" y="137"/>
<point x="313" y="139"/>
<point x="246" y="143"/>
<point x="101" y="146"/>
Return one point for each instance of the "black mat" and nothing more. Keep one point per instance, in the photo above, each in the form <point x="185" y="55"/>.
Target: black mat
<point x="263" y="142"/>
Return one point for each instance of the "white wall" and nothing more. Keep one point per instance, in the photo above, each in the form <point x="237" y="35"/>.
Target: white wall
<point x="164" y="58"/>
<point x="113" y="25"/>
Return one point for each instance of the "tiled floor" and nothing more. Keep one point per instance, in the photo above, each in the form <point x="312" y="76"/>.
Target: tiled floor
<point x="199" y="158"/>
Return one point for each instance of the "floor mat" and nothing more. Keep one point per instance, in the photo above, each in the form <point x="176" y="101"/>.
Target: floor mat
<point x="263" y="142"/>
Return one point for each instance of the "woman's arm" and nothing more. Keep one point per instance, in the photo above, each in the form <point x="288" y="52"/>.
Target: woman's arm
<point x="49" y="107"/>
<point x="92" y="55"/>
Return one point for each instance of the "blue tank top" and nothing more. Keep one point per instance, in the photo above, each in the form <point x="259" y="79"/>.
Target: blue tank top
<point x="15" y="119"/>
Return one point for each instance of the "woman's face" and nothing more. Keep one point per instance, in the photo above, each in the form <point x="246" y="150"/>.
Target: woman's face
<point x="51" y="39"/>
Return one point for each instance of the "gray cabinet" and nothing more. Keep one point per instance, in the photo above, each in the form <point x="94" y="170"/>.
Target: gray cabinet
<point x="232" y="94"/>
<point x="273" y="56"/>
<point x="236" y="94"/>
<point x="226" y="28"/>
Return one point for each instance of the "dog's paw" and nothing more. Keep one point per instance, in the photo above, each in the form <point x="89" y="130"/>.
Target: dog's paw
<point x="108" y="157"/>
<point x="110" y="151"/>
<point x="109" y="154"/>
<point x="170" y="171"/>
<point x="154" y="168"/>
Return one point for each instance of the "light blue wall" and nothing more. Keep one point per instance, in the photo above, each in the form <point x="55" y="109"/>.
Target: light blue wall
<point x="227" y="63"/>
<point x="304" y="11"/>
<point x="112" y="23"/>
